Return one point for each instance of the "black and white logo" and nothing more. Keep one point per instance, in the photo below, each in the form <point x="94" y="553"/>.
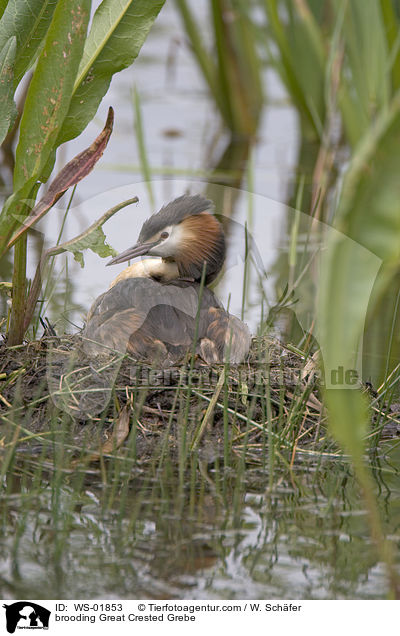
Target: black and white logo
<point x="26" y="615"/>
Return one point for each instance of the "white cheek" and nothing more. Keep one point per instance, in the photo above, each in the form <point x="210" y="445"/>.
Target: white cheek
<point x="171" y="245"/>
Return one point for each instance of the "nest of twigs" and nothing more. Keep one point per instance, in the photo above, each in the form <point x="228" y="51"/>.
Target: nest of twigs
<point x="50" y="390"/>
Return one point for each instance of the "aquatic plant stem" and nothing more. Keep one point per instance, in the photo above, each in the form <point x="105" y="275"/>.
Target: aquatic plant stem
<point x="16" y="331"/>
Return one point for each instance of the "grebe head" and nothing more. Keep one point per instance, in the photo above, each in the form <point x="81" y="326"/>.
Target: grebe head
<point x="186" y="232"/>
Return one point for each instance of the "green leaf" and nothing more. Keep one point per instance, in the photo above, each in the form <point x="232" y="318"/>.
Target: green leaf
<point x="50" y="90"/>
<point x="29" y="21"/>
<point x="96" y="241"/>
<point x="92" y="238"/>
<point x="348" y="272"/>
<point x="348" y="420"/>
<point x="3" y="4"/>
<point x="369" y="210"/>
<point x="118" y="31"/>
<point x="8" y="109"/>
<point x="369" y="218"/>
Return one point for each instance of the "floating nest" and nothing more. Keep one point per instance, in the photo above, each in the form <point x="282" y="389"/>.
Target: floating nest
<point x="51" y="392"/>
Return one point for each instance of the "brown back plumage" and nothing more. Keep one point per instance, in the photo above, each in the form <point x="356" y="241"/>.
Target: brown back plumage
<point x="152" y="320"/>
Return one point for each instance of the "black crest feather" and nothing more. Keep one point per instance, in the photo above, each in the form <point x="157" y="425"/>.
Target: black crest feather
<point x="173" y="213"/>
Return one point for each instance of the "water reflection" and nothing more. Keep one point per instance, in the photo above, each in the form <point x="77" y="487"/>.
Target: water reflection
<point x="311" y="541"/>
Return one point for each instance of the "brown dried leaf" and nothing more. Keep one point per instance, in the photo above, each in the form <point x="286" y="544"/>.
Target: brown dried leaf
<point x="75" y="170"/>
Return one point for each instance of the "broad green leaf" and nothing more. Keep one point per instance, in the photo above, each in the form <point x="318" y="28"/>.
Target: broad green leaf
<point x="50" y="90"/>
<point x="29" y="21"/>
<point x="45" y="108"/>
<point x="349" y="420"/>
<point x="3" y="4"/>
<point x="369" y="210"/>
<point x="347" y="277"/>
<point x="118" y="31"/>
<point x="8" y="109"/>
<point x="369" y="213"/>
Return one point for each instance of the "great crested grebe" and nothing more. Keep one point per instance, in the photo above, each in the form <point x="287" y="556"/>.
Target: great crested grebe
<point x="156" y="308"/>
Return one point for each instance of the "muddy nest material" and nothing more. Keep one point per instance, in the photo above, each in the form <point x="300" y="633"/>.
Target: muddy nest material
<point x="51" y="390"/>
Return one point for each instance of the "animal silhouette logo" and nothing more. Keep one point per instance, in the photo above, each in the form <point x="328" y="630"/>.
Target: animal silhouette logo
<point x="26" y="615"/>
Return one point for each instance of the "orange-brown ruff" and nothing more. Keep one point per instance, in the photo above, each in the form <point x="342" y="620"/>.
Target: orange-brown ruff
<point x="156" y="307"/>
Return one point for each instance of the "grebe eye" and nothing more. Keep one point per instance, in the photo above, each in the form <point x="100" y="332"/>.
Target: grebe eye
<point x="164" y="235"/>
